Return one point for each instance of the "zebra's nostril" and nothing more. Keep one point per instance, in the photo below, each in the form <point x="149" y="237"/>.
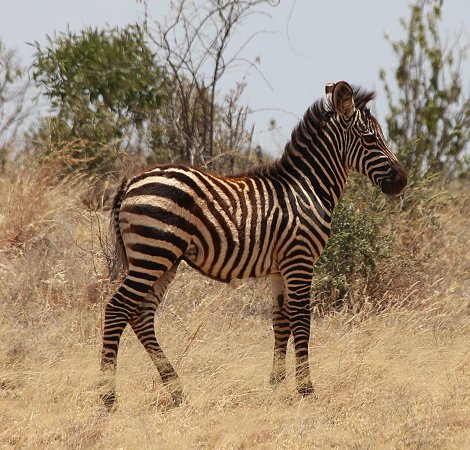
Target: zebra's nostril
<point x="395" y="183"/>
<point x="398" y="175"/>
<point x="401" y="179"/>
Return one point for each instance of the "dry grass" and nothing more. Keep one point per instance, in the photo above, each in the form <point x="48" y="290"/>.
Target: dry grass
<point x="398" y="379"/>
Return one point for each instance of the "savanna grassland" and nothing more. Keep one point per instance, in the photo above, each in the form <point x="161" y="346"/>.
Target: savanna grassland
<point x="392" y="373"/>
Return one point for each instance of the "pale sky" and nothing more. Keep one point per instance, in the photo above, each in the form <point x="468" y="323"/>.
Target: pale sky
<point x="324" y="40"/>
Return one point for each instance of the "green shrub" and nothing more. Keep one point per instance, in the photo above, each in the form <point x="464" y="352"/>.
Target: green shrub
<point x="106" y="89"/>
<point x="360" y="239"/>
<point x="429" y="105"/>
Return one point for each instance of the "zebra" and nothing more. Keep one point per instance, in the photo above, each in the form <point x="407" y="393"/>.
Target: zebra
<point x="274" y="220"/>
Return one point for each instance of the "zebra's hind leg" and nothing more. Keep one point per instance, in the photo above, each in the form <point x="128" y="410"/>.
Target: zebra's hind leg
<point x="119" y="310"/>
<point x="281" y="328"/>
<point x="143" y="324"/>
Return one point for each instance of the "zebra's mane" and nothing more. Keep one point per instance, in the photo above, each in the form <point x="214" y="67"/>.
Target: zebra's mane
<point x="317" y="115"/>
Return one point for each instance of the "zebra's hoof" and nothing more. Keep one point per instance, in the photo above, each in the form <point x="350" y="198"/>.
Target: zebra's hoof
<point x="109" y="400"/>
<point x="306" y="389"/>
<point x="276" y="378"/>
<point x="178" y="396"/>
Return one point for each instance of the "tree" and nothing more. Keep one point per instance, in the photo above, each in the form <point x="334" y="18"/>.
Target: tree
<point x="105" y="87"/>
<point x="13" y="105"/>
<point x="195" y="43"/>
<point x="429" y="119"/>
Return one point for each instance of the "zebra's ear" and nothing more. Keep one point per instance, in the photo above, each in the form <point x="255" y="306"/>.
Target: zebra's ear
<point x="341" y="97"/>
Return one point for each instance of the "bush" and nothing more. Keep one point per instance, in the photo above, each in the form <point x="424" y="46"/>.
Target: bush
<point x="429" y="106"/>
<point x="106" y="89"/>
<point x="360" y="239"/>
<point x="382" y="249"/>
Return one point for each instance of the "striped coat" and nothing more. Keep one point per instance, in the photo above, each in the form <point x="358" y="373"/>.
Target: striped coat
<point x="273" y="221"/>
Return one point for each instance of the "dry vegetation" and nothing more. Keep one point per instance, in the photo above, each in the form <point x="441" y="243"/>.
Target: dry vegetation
<point x="397" y="376"/>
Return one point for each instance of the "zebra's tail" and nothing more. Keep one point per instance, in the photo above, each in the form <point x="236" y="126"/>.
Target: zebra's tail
<point x="119" y="259"/>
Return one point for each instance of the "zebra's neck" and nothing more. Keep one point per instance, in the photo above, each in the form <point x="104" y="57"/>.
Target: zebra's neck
<point x="315" y="153"/>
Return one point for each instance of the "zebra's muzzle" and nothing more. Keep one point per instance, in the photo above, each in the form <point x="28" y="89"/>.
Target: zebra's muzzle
<point x="396" y="182"/>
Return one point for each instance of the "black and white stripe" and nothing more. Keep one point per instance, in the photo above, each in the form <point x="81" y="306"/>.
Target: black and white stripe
<point x="275" y="221"/>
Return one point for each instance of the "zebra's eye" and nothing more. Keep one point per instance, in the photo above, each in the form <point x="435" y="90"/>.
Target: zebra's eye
<point x="362" y="128"/>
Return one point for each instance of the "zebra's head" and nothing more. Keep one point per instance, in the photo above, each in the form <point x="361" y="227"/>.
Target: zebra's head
<point x="365" y="148"/>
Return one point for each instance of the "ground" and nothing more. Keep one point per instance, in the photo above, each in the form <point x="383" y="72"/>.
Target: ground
<point x="398" y="377"/>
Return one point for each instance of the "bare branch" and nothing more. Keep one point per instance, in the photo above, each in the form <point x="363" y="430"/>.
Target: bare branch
<point x="195" y="44"/>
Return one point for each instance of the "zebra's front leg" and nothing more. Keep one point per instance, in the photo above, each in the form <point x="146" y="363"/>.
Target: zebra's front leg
<point x="298" y="292"/>
<point x="281" y="328"/>
<point x="120" y="308"/>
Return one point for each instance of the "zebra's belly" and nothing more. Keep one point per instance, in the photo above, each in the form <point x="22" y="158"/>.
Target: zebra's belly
<point x="238" y="262"/>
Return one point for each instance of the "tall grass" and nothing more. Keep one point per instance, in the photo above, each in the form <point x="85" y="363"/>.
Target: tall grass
<point x="394" y="373"/>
